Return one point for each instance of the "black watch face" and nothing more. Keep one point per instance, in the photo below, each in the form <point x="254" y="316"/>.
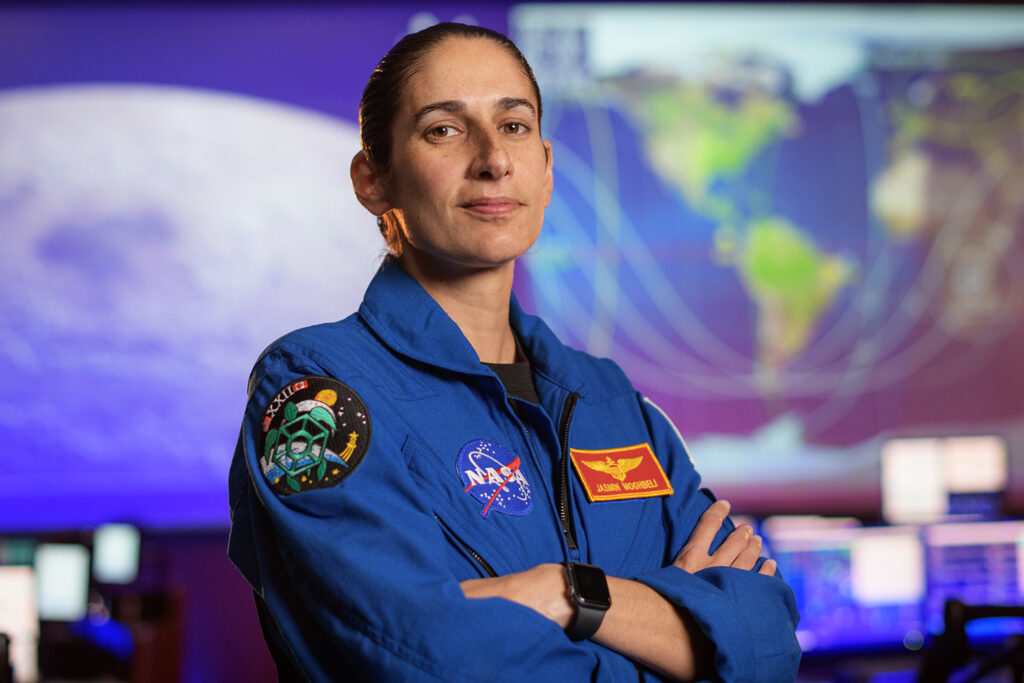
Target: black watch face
<point x="591" y="586"/>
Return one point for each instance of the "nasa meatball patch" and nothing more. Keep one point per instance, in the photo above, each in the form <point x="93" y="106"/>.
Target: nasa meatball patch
<point x="493" y="475"/>
<point x="314" y="433"/>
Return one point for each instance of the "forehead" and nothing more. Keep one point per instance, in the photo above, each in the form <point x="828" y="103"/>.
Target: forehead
<point x="466" y="69"/>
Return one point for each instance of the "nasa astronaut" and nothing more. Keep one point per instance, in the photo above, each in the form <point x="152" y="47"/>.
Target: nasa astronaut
<point x="435" y="488"/>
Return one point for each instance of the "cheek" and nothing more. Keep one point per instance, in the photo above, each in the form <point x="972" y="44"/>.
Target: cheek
<point x="427" y="185"/>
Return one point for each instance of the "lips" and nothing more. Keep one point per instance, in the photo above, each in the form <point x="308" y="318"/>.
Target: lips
<point x="492" y="206"/>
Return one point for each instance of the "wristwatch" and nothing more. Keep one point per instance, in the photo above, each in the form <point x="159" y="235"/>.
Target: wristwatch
<point x="588" y="589"/>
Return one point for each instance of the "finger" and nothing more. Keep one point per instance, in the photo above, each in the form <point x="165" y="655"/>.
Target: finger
<point x="695" y="555"/>
<point x="732" y="546"/>
<point x="691" y="559"/>
<point x="768" y="568"/>
<point x="748" y="557"/>
<point x="708" y="525"/>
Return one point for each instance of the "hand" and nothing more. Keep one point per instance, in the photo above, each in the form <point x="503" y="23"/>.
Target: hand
<point x="741" y="549"/>
<point x="544" y="589"/>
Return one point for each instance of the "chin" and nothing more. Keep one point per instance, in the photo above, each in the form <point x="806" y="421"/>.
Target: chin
<point x="497" y="258"/>
<point x="486" y="252"/>
<point x="489" y="262"/>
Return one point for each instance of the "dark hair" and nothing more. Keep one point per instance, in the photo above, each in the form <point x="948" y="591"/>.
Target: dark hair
<point x="384" y="90"/>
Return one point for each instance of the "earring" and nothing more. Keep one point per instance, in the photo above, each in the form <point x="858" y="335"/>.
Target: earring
<point x="380" y="221"/>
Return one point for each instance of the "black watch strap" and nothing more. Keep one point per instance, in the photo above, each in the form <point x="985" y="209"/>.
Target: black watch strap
<point x="588" y="590"/>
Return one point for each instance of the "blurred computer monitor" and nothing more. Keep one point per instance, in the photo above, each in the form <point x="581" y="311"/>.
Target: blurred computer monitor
<point x="929" y="479"/>
<point x="62" y="581"/>
<point x="856" y="587"/>
<point x="115" y="553"/>
<point x="780" y="525"/>
<point x="19" y="619"/>
<point x="978" y="563"/>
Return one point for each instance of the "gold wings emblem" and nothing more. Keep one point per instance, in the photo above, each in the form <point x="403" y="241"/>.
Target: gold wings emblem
<point x="617" y="468"/>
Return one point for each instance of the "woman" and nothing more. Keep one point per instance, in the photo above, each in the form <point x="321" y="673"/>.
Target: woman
<point x="431" y="488"/>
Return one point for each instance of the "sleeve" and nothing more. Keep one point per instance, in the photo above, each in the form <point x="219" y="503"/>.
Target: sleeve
<point x="356" y="574"/>
<point x="750" y="618"/>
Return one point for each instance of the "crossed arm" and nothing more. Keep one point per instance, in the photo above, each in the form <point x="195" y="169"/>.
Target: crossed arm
<point x="641" y="624"/>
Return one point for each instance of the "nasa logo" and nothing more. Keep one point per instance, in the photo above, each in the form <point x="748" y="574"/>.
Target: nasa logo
<point x="494" y="476"/>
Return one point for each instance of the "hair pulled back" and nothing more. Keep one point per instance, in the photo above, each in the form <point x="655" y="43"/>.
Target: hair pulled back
<point x="384" y="90"/>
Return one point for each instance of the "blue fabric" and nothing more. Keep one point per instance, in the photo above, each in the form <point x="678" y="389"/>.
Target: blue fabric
<point x="362" y="578"/>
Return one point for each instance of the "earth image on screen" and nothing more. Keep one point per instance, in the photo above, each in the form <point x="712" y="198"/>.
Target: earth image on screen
<point x="792" y="253"/>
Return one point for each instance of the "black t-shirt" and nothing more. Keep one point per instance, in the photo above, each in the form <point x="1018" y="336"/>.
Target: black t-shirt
<point x="517" y="378"/>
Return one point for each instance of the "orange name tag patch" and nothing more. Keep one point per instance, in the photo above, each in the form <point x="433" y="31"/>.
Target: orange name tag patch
<point x="620" y="473"/>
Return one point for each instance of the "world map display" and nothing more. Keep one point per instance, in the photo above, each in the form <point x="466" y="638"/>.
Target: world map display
<point x="798" y="231"/>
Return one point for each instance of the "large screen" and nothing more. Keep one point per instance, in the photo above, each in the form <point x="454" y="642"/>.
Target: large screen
<point x="797" y="228"/>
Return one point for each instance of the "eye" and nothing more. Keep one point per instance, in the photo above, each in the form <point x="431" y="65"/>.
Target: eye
<point x="441" y="132"/>
<point x="515" y="128"/>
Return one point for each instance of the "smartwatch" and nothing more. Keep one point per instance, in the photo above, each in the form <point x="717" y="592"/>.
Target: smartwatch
<point x="588" y="590"/>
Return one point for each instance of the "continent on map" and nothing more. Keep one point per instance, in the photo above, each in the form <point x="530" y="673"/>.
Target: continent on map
<point x="899" y="196"/>
<point x="952" y="188"/>
<point x="698" y="133"/>
<point x="791" y="282"/>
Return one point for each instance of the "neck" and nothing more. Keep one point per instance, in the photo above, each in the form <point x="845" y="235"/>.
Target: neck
<point x="477" y="300"/>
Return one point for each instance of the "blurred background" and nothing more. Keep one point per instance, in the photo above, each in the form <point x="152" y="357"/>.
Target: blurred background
<point x="798" y="229"/>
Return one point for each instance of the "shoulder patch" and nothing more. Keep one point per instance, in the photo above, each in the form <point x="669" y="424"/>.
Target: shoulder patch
<point x="314" y="433"/>
<point x="620" y="473"/>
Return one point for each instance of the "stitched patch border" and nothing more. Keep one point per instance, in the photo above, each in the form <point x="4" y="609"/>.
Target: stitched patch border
<point x="621" y="473"/>
<point x="313" y="434"/>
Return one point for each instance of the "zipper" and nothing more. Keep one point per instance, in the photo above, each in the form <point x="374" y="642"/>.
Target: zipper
<point x="465" y="546"/>
<point x="570" y="538"/>
<point x="514" y="402"/>
<point x="564" y="513"/>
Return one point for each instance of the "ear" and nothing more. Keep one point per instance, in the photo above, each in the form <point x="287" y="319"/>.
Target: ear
<point x="369" y="184"/>
<point x="549" y="176"/>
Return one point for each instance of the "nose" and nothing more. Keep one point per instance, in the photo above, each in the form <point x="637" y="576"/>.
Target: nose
<point x="491" y="160"/>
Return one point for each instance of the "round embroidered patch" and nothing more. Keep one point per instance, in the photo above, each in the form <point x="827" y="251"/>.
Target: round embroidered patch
<point x="493" y="475"/>
<point x="314" y="433"/>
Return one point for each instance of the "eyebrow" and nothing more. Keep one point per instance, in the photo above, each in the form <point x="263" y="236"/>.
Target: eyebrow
<point x="456" y="106"/>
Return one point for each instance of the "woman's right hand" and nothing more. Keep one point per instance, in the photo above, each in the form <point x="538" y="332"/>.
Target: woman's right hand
<point x="741" y="549"/>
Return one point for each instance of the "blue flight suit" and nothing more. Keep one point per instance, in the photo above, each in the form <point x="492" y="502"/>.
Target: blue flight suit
<point x="361" y="576"/>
